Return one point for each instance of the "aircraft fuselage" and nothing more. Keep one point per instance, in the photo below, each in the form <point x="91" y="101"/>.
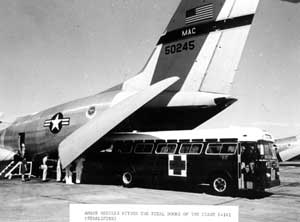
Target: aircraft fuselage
<point x="46" y="129"/>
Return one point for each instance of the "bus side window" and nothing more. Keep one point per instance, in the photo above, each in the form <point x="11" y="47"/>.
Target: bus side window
<point x="148" y="147"/>
<point x="185" y="148"/>
<point x="213" y="148"/>
<point x="126" y="148"/>
<point x="121" y="147"/>
<point x="139" y="148"/>
<point x="171" y="147"/>
<point x="228" y="148"/>
<point x="143" y="148"/>
<point x="117" y="147"/>
<point x="161" y="148"/>
<point x="196" y="148"/>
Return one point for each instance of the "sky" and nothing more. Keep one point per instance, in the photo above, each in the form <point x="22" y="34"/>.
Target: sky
<point x="57" y="50"/>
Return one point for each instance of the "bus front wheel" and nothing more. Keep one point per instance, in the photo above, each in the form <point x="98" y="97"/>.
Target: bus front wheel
<point x="127" y="179"/>
<point x="220" y="185"/>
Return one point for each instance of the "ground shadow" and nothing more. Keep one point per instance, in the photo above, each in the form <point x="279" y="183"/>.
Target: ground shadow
<point x="292" y="1"/>
<point x="181" y="187"/>
<point x="253" y="195"/>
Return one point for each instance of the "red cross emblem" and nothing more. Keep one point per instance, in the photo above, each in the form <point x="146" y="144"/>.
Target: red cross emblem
<point x="177" y="165"/>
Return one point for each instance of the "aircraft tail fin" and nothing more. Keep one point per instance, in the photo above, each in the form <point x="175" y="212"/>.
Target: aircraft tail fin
<point x="202" y="45"/>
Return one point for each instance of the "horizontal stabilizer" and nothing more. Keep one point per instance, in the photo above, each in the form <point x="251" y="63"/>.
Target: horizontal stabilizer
<point x="290" y="153"/>
<point x="6" y="154"/>
<point x="84" y="137"/>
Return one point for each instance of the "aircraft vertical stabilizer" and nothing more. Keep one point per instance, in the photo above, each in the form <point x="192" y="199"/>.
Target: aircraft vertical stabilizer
<point x="202" y="45"/>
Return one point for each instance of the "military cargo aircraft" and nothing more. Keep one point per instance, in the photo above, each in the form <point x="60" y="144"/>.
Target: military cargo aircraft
<point x="185" y="82"/>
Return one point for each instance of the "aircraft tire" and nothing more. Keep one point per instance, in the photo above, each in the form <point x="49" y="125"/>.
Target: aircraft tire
<point x="127" y="178"/>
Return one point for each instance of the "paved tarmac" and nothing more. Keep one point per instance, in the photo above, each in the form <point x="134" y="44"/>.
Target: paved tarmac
<point x="36" y="201"/>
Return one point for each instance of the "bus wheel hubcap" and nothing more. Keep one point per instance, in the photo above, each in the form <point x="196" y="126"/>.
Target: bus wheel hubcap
<point x="127" y="178"/>
<point x="220" y="184"/>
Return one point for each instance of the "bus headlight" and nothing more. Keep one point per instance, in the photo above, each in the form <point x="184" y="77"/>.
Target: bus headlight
<point x="268" y="175"/>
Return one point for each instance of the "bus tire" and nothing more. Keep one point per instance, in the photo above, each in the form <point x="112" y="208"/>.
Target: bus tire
<point x="221" y="185"/>
<point x="127" y="178"/>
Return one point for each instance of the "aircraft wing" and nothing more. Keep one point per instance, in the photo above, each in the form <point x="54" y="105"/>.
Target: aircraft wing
<point x="81" y="139"/>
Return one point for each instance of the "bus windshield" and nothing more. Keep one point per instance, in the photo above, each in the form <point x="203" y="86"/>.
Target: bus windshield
<point x="267" y="150"/>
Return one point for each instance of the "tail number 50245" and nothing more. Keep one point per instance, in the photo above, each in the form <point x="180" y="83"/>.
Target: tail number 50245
<point x="179" y="47"/>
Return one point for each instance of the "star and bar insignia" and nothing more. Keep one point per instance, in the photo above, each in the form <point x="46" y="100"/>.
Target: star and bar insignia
<point x="56" y="123"/>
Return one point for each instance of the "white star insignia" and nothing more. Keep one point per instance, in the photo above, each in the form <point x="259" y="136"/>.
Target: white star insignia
<point x="55" y="123"/>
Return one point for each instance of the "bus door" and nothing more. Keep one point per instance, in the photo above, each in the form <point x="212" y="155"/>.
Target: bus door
<point x="249" y="161"/>
<point x="241" y="182"/>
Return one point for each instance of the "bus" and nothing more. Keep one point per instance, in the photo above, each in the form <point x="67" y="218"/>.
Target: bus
<point x="227" y="159"/>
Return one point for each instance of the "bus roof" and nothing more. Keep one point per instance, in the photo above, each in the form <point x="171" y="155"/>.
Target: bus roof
<point x="230" y="133"/>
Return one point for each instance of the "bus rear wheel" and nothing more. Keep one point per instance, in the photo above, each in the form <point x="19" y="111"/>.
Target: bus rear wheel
<point x="220" y="185"/>
<point x="127" y="179"/>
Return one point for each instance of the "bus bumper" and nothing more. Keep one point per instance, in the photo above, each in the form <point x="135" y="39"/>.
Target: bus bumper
<point x="274" y="183"/>
<point x="272" y="178"/>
